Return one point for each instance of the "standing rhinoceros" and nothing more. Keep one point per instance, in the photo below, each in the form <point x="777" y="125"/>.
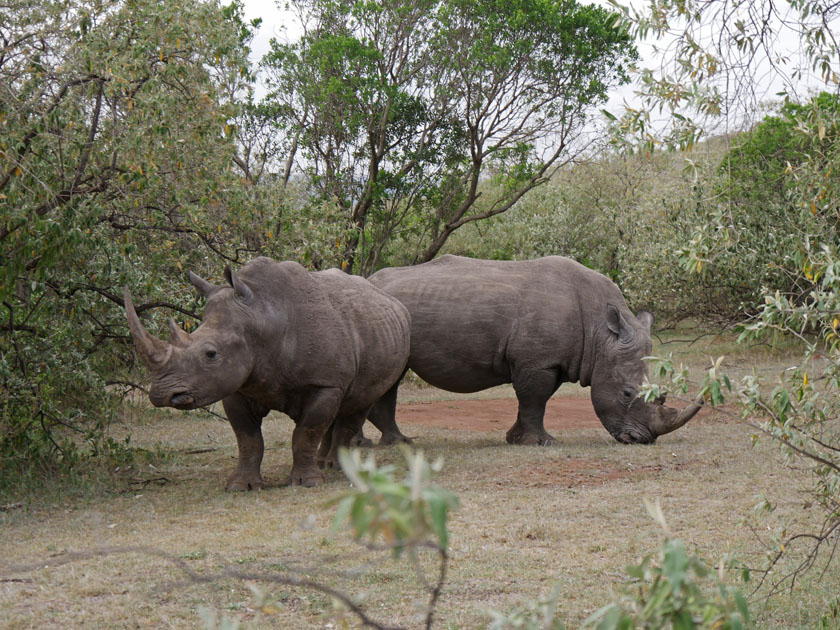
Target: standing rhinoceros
<point x="321" y="347"/>
<point x="536" y="323"/>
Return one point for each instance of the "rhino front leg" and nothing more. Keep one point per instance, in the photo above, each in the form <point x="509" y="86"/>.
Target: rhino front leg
<point x="317" y="415"/>
<point x="245" y="417"/>
<point x="533" y="391"/>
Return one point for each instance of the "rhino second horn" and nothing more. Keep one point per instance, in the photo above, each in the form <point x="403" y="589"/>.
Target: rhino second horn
<point x="152" y="351"/>
<point x="666" y="420"/>
<point x="177" y="335"/>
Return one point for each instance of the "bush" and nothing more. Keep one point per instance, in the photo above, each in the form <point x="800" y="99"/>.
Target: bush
<point x="116" y="143"/>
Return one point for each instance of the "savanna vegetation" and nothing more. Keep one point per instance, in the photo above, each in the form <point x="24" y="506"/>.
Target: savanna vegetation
<point x="134" y="147"/>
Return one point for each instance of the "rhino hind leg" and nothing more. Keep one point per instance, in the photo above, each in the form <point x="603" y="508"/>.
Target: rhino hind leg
<point x="533" y="391"/>
<point x="360" y="440"/>
<point x="383" y="415"/>
<point x="341" y="433"/>
<point x="245" y="419"/>
<point x="317" y="416"/>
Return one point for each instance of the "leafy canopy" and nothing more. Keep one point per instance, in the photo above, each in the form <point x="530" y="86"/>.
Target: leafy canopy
<point x="398" y="112"/>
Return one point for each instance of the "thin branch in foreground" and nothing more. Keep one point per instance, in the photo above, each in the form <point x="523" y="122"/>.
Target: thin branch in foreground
<point x="8" y="573"/>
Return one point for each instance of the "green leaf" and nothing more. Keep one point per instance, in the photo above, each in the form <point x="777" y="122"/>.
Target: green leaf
<point x="675" y="564"/>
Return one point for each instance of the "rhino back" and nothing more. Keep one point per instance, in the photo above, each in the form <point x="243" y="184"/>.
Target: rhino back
<point x="475" y="321"/>
<point x="310" y="330"/>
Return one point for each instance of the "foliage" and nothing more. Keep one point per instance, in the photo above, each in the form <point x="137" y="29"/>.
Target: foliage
<point x="539" y="614"/>
<point x="406" y="514"/>
<point x="409" y="515"/>
<point x="719" y="59"/>
<point x="114" y="170"/>
<point x="747" y="239"/>
<point x="681" y="591"/>
<point x="802" y="409"/>
<point x="670" y="594"/>
<point x="589" y="212"/>
<point x="398" y="113"/>
<point x="626" y="216"/>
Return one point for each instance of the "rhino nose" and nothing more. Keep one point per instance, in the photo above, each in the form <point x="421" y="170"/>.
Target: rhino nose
<point x="182" y="400"/>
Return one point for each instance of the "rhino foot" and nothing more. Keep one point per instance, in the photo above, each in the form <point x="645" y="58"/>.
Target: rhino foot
<point x="531" y="439"/>
<point x="388" y="439"/>
<point x="360" y="440"/>
<point x="305" y="476"/>
<point x="242" y="482"/>
<point x="327" y="462"/>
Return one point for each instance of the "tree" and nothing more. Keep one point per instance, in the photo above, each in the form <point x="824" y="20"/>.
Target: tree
<point x="115" y="156"/>
<point x="399" y="112"/>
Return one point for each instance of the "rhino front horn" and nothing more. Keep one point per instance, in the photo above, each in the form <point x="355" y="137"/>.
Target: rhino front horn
<point x="152" y="351"/>
<point x="666" y="420"/>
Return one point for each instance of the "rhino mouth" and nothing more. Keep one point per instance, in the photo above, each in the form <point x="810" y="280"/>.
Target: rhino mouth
<point x="182" y="400"/>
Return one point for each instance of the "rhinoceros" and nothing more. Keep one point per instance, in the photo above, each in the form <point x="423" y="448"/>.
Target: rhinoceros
<point x="322" y="347"/>
<point x="536" y="324"/>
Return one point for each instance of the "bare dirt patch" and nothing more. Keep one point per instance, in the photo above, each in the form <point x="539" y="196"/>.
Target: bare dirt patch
<point x="562" y="413"/>
<point x="572" y="473"/>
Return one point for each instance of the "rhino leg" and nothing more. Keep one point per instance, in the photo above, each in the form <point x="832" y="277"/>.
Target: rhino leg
<point x="342" y="433"/>
<point x="245" y="417"/>
<point x="360" y="440"/>
<point x="317" y="415"/>
<point x="326" y="446"/>
<point x="533" y="390"/>
<point x="383" y="415"/>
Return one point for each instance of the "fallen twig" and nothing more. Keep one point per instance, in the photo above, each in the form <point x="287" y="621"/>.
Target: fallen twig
<point x="142" y="483"/>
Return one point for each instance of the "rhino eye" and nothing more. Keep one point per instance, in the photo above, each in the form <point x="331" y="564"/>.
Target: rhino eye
<point x="210" y="354"/>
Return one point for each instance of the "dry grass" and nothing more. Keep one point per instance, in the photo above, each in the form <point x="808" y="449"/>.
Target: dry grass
<point x="529" y="517"/>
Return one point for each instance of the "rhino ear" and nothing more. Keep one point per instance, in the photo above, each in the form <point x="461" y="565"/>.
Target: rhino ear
<point x="240" y="289"/>
<point x="618" y="326"/>
<point x="646" y="319"/>
<point x="201" y="285"/>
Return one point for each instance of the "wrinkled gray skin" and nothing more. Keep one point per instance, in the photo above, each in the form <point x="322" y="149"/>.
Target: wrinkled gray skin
<point x="321" y="347"/>
<point x="537" y="323"/>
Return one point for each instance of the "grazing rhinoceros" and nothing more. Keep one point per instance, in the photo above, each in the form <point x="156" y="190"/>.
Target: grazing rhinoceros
<point x="321" y="347"/>
<point x="536" y="323"/>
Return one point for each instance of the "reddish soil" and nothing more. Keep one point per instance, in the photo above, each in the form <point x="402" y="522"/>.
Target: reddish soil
<point x="569" y="412"/>
<point x="562" y="413"/>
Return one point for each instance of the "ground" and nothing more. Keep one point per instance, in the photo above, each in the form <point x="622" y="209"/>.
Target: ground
<point x="530" y="518"/>
<point x="562" y="413"/>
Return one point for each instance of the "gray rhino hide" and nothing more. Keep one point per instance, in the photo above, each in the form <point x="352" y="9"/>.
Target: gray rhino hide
<point x="321" y="347"/>
<point x="476" y="324"/>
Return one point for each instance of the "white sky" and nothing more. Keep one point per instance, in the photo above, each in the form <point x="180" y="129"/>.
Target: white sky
<point x="274" y="20"/>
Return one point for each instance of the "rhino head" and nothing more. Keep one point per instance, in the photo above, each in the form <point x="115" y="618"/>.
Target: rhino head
<point x="194" y="370"/>
<point x="619" y="372"/>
